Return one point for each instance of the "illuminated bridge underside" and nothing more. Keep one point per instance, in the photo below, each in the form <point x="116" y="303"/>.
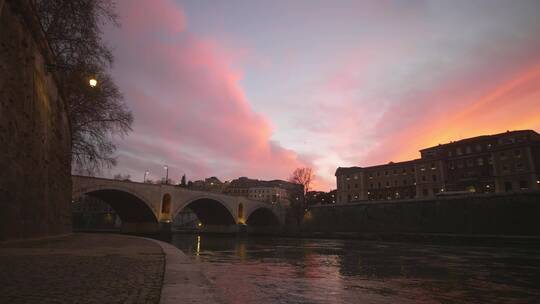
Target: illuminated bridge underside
<point x="143" y="207"/>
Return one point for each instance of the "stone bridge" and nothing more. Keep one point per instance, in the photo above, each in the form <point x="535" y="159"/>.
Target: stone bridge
<point x="147" y="208"/>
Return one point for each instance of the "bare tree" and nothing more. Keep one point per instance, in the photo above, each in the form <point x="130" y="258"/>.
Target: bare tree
<point x="302" y="176"/>
<point x="73" y="30"/>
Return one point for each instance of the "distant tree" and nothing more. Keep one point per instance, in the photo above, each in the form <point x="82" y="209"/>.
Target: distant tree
<point x="303" y="176"/>
<point x="189" y="184"/>
<point x="73" y="29"/>
<point x="149" y="181"/>
<point x="183" y="181"/>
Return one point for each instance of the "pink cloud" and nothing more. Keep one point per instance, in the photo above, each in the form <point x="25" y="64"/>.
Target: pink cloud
<point x="190" y="111"/>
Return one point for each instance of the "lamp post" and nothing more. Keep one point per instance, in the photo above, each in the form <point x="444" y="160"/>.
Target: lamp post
<point x="145" y="174"/>
<point x="167" y="174"/>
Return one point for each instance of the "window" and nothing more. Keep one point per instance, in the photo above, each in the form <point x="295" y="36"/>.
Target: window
<point x="449" y="153"/>
<point x="480" y="161"/>
<point x="505" y="168"/>
<point x="470" y="163"/>
<point x="434" y="178"/>
<point x="517" y="153"/>
<point x="523" y="185"/>
<point x="395" y="183"/>
<point x="370" y="186"/>
<point x="356" y="185"/>
<point x="469" y="150"/>
<point x="519" y="166"/>
<point x="458" y="151"/>
<point x="423" y="178"/>
<point x="412" y="170"/>
<point x="424" y="192"/>
<point x="451" y="166"/>
<point x="385" y="172"/>
<point x="379" y="185"/>
<point x="478" y="148"/>
<point x="348" y="186"/>
<point x="387" y="184"/>
<point x="488" y="146"/>
<point x="433" y="167"/>
<point x="502" y="155"/>
<point x="395" y="171"/>
<point x="356" y="176"/>
<point x="404" y="182"/>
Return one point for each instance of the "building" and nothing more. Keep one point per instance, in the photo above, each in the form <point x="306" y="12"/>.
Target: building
<point x="497" y="163"/>
<point x="271" y="191"/>
<point x="320" y="198"/>
<point x="272" y="195"/>
<point x="210" y="184"/>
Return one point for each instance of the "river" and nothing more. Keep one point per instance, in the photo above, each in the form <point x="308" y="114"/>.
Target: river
<point x="285" y="270"/>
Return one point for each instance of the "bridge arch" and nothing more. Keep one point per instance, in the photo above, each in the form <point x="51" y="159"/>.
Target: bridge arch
<point x="130" y="207"/>
<point x="210" y="211"/>
<point x="263" y="216"/>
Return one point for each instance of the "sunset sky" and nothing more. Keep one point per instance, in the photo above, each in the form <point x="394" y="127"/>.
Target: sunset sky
<point x="257" y="88"/>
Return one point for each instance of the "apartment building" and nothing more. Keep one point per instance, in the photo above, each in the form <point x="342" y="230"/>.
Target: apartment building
<point x="504" y="162"/>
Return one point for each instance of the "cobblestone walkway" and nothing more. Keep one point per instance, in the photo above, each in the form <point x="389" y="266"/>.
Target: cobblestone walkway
<point x="81" y="268"/>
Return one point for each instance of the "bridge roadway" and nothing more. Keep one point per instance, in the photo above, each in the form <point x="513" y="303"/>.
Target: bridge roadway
<point x="148" y="208"/>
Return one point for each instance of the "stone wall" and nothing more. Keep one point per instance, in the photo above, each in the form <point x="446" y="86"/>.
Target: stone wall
<point x="35" y="183"/>
<point x="511" y="214"/>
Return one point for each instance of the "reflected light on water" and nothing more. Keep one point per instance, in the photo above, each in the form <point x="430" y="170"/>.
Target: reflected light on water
<point x="198" y="251"/>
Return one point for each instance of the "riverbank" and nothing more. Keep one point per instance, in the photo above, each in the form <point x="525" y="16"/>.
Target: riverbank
<point x="96" y="268"/>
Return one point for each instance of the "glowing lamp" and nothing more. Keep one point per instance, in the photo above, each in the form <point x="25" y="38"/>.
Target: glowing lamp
<point x="92" y="82"/>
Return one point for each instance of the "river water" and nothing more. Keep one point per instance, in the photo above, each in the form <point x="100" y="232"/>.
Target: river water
<point x="284" y="270"/>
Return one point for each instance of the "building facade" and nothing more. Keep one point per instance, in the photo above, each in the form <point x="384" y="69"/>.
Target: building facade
<point x="279" y="191"/>
<point x="497" y="163"/>
<point x="210" y="184"/>
<point x="272" y="195"/>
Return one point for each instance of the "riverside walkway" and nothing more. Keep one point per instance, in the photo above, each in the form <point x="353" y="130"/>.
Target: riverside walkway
<point x="96" y="268"/>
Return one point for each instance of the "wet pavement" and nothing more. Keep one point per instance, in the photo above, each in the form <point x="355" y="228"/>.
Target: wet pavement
<point x="280" y="270"/>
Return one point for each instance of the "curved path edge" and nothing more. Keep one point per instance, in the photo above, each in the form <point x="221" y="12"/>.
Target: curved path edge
<point x="183" y="280"/>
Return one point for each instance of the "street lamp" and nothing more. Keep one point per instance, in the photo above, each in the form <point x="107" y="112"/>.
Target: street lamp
<point x="92" y="82"/>
<point x="167" y="174"/>
<point x="145" y="174"/>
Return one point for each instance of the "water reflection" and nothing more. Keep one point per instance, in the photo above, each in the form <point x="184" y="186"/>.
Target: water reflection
<point x="280" y="270"/>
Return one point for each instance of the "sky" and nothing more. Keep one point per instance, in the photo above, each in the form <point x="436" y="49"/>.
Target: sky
<point x="257" y="88"/>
